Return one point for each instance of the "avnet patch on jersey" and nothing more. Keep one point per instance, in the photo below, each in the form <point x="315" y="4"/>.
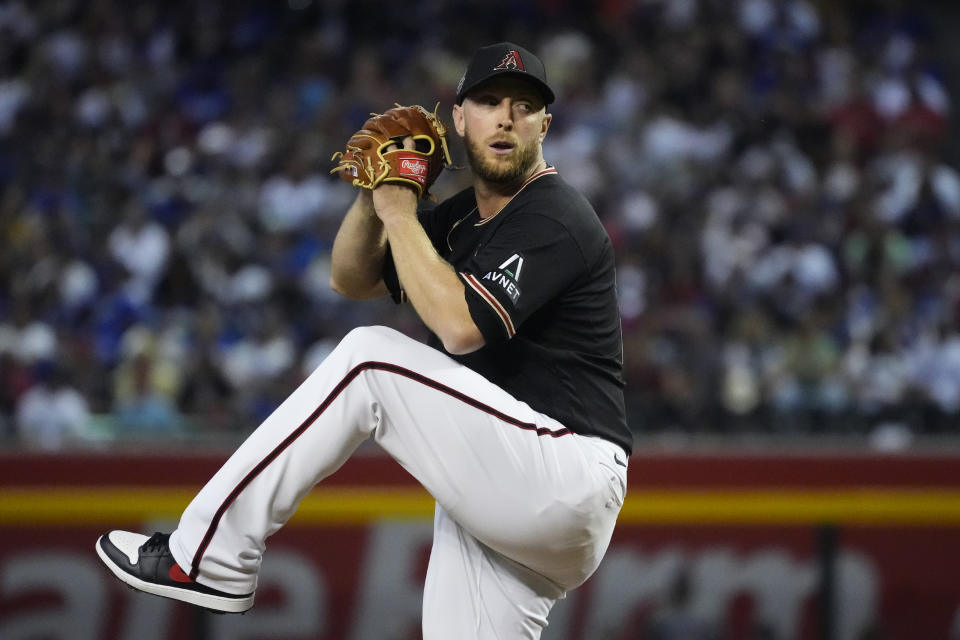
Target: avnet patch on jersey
<point x="507" y="276"/>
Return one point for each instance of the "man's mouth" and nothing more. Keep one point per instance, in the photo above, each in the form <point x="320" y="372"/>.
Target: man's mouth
<point x="501" y="147"/>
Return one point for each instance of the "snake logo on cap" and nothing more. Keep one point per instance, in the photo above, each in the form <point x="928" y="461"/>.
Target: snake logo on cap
<point x="504" y="58"/>
<point x="511" y="61"/>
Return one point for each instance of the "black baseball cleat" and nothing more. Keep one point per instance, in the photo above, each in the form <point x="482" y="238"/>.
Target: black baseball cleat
<point x="147" y="565"/>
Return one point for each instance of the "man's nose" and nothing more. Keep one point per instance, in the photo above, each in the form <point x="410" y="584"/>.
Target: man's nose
<point x="505" y="115"/>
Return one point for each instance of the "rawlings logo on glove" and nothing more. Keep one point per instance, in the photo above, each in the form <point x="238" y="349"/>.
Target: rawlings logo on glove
<point x="415" y="168"/>
<point x="375" y="153"/>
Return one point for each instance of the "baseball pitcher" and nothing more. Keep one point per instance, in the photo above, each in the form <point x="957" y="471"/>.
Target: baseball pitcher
<point x="512" y="416"/>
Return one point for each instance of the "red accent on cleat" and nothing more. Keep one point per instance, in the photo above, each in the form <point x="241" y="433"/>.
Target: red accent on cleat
<point x="177" y="574"/>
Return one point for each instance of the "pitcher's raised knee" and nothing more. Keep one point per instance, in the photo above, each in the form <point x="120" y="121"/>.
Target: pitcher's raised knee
<point x="373" y="342"/>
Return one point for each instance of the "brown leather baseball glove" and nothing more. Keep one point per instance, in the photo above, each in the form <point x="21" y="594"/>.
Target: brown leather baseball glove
<point x="375" y="153"/>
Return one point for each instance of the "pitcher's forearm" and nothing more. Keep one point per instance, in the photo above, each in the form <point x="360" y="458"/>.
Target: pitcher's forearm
<point x="356" y="261"/>
<point x="430" y="283"/>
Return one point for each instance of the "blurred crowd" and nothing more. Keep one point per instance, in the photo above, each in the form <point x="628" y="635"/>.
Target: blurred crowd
<point x="775" y="176"/>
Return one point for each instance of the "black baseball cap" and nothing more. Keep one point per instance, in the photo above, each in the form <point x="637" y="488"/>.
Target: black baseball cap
<point x="504" y="58"/>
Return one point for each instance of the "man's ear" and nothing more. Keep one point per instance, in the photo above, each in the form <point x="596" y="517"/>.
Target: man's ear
<point x="545" y="124"/>
<point x="458" y="119"/>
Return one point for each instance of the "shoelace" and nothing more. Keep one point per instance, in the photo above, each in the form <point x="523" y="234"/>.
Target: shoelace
<point x="156" y="542"/>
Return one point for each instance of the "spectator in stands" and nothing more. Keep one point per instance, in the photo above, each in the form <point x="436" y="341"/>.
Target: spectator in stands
<point x="51" y="412"/>
<point x="769" y="168"/>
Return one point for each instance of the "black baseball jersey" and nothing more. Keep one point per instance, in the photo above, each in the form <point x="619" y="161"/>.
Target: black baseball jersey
<point x="541" y="287"/>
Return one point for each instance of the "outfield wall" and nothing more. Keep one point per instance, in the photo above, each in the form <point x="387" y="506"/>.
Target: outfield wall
<point x="755" y="534"/>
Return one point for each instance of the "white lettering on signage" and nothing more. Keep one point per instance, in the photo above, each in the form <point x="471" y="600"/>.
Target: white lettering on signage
<point x="302" y="612"/>
<point x="83" y="586"/>
<point x="81" y="596"/>
<point x="389" y="590"/>
<point x="778" y="584"/>
<point x="145" y="617"/>
<point x="955" y="627"/>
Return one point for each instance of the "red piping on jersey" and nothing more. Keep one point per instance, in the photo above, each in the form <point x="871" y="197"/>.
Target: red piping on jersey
<point x="337" y="390"/>
<point x="492" y="301"/>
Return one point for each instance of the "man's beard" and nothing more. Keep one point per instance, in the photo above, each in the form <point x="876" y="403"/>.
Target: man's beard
<point x="522" y="158"/>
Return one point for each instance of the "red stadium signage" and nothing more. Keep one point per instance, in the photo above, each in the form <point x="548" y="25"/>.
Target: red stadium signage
<point x="731" y="543"/>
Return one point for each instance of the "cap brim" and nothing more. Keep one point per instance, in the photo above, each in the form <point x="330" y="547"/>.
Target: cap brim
<point x="541" y="86"/>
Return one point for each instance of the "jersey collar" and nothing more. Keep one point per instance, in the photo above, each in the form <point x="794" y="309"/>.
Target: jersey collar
<point x="536" y="176"/>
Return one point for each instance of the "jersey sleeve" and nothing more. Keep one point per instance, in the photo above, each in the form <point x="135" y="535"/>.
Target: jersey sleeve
<point x="524" y="265"/>
<point x="432" y="220"/>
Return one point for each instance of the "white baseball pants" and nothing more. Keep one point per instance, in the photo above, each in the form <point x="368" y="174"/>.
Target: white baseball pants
<point x="525" y="508"/>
